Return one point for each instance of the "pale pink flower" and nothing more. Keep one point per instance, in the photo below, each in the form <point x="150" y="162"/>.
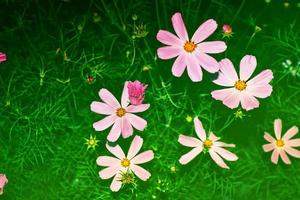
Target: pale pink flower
<point x="119" y="115"/>
<point x="241" y="89"/>
<point x="3" y="182"/>
<point x="136" y="91"/>
<point x="211" y="144"/>
<point x="122" y="163"/>
<point x="2" y="57"/>
<point x="281" y="146"/>
<point x="190" y="53"/>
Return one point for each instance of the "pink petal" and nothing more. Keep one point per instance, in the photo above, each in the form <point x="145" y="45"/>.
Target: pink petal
<point x="225" y="153"/>
<point x="179" y="27"/>
<point x="205" y="30"/>
<point x="186" y="158"/>
<point x="227" y="75"/>
<point x="3" y="181"/>
<point x="199" y="129"/>
<point x="107" y="161"/>
<point x="189" y="141"/>
<point x="168" y="52"/>
<point x="290" y="133"/>
<point x="125" y="96"/>
<point x="115" y="131"/>
<point x="207" y="62"/>
<point x="2" y="59"/>
<point x="126" y="127"/>
<point x="277" y="128"/>
<point x="268" y="147"/>
<point x="109" y="99"/>
<point x="135" y="147"/>
<point x="109" y="172"/>
<point x="284" y="157"/>
<point x="248" y="101"/>
<point x="218" y="160"/>
<point x="212" y="47"/>
<point x="193" y="69"/>
<point x="269" y="138"/>
<point x="222" y="144"/>
<point x="116" y="184"/>
<point x="293" y="143"/>
<point x="101" y="108"/>
<point x="116" y="151"/>
<point x="144" y="157"/>
<point x="105" y="123"/>
<point x="293" y="152"/>
<point x="136" y="121"/>
<point x="168" y="38"/>
<point x="262" y="78"/>
<point x="137" y="109"/>
<point x="140" y="172"/>
<point x="179" y="65"/>
<point x="213" y="137"/>
<point x="247" y="67"/>
<point x="229" y="96"/>
<point x="260" y="91"/>
<point x="274" y="157"/>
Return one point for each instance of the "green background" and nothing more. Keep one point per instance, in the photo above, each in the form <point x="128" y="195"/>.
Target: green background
<point x="45" y="99"/>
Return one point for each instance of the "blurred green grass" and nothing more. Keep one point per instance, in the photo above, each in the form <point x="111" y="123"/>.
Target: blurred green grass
<point x="45" y="98"/>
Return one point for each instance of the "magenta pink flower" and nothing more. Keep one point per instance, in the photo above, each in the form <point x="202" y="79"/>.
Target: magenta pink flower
<point x="190" y="53"/>
<point x="226" y="29"/>
<point x="210" y="144"/>
<point x="122" y="164"/>
<point x="119" y="115"/>
<point x="136" y="91"/>
<point x="281" y="146"/>
<point x="2" y="57"/>
<point x="3" y="182"/>
<point x="241" y="89"/>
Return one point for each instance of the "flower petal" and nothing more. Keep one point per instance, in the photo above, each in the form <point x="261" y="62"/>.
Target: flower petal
<point x="186" y="158"/>
<point x="274" y="156"/>
<point x="135" y="147"/>
<point x="168" y="52"/>
<point x="140" y="172"/>
<point x="205" y="30"/>
<point x="293" y="143"/>
<point x="115" y="131"/>
<point x="284" y="157"/>
<point x="138" y="108"/>
<point x="179" y="27"/>
<point x="269" y="138"/>
<point x="218" y="160"/>
<point x="136" y="121"/>
<point x="189" y="141"/>
<point x="262" y="78"/>
<point x="207" y="62"/>
<point x="104" y="123"/>
<point x="125" y="96"/>
<point x="109" y="172"/>
<point x="116" y="151"/>
<point x="116" y="185"/>
<point x="212" y="47"/>
<point x="293" y="152"/>
<point x="248" y="101"/>
<point x="268" y="147"/>
<point x="260" y="91"/>
<point x="193" y="69"/>
<point x="199" y="129"/>
<point x="290" y="133"/>
<point x="101" y="108"/>
<point x="143" y="157"/>
<point x="229" y="97"/>
<point x="247" y="67"/>
<point x="225" y="153"/>
<point x="277" y="128"/>
<point x="109" y="99"/>
<point x="107" y="161"/>
<point x="168" y="38"/>
<point x="213" y="137"/>
<point x="126" y="128"/>
<point x="179" y="65"/>
<point x="227" y="75"/>
<point x="222" y="144"/>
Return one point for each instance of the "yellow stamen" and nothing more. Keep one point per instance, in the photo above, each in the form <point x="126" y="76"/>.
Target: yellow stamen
<point x="125" y="162"/>
<point x="207" y="143"/>
<point x="121" y="112"/>
<point x="189" y="46"/>
<point x="240" y="85"/>
<point x="279" y="143"/>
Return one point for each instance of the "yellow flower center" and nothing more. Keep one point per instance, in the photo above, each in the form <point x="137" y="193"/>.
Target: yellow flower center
<point x="189" y="46"/>
<point x="125" y="162"/>
<point x="240" y="85"/>
<point x="121" y="112"/>
<point x="279" y="143"/>
<point x="207" y="143"/>
<point x="92" y="141"/>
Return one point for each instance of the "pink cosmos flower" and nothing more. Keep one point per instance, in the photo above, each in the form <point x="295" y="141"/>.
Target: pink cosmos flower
<point x="282" y="145"/>
<point x="190" y="53"/>
<point x="119" y="115"/>
<point x="136" y="92"/>
<point x="3" y="182"/>
<point x="121" y="164"/>
<point x="2" y="57"/>
<point x="211" y="144"/>
<point x="241" y="89"/>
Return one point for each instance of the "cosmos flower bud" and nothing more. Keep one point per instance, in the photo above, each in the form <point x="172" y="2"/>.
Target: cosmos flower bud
<point x="136" y="91"/>
<point x="3" y="181"/>
<point x="226" y="29"/>
<point x="2" y="57"/>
